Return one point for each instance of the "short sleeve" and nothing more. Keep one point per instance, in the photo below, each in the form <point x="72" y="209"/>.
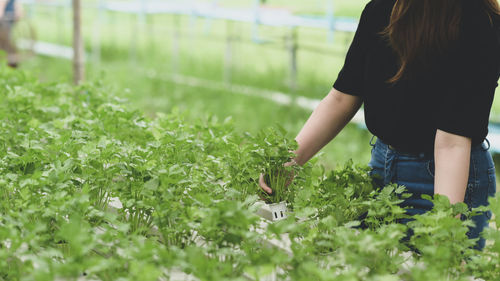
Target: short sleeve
<point x="351" y="76"/>
<point x="465" y="94"/>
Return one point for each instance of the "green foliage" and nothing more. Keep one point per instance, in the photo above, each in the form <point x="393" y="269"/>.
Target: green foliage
<point x="487" y="265"/>
<point x="441" y="240"/>
<point x="188" y="194"/>
<point x="273" y="151"/>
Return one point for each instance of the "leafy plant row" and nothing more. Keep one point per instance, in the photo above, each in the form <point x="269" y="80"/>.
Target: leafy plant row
<point x="67" y="152"/>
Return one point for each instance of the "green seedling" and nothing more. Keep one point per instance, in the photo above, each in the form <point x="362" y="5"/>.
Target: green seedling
<point x="279" y="179"/>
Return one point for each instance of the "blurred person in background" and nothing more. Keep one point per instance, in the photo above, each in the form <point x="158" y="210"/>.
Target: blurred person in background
<point x="426" y="72"/>
<point x="10" y="13"/>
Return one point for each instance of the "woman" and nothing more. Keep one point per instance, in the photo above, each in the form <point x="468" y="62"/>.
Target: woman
<point x="10" y="13"/>
<point x="426" y="72"/>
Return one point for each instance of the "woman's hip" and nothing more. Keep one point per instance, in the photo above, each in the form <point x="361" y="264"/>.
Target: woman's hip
<point x="416" y="173"/>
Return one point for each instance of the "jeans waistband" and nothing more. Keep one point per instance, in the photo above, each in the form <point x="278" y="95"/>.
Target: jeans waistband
<point x="485" y="145"/>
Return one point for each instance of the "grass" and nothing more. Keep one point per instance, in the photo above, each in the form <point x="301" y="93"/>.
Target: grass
<point x="347" y="8"/>
<point x="130" y="50"/>
<point x="202" y="45"/>
<point x="249" y="114"/>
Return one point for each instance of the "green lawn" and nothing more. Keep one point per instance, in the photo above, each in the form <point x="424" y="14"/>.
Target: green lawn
<point x="248" y="113"/>
<point x="129" y="51"/>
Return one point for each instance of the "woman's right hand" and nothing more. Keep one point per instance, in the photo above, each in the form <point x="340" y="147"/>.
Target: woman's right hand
<point x="264" y="186"/>
<point x="267" y="188"/>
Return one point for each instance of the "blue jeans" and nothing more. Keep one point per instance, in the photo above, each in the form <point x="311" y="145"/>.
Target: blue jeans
<point x="10" y="11"/>
<point x="416" y="173"/>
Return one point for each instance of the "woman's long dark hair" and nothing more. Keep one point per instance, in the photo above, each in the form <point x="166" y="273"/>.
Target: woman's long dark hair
<point x="420" y="29"/>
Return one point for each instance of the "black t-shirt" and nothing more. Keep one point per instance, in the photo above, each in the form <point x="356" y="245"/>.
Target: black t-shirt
<point x="454" y="94"/>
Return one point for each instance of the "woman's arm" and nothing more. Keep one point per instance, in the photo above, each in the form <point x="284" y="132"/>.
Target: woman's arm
<point x="326" y="121"/>
<point x="2" y="7"/>
<point x="452" y="158"/>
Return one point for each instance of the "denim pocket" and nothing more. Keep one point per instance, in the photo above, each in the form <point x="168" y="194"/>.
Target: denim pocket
<point x="492" y="184"/>
<point x="483" y="188"/>
<point x="431" y="167"/>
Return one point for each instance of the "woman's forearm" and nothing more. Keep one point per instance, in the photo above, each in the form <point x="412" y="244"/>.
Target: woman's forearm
<point x="326" y="121"/>
<point x="452" y="158"/>
<point x="3" y="3"/>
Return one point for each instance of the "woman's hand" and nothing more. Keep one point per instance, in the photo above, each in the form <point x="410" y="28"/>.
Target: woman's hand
<point x="267" y="188"/>
<point x="264" y="186"/>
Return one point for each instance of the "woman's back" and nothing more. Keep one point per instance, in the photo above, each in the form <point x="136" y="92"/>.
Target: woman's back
<point x="452" y="92"/>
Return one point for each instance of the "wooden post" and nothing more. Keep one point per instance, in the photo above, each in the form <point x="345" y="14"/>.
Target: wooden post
<point x="78" y="59"/>
<point x="96" y="38"/>
<point x="331" y="19"/>
<point x="59" y="18"/>
<point x="293" y="48"/>
<point x="228" y="58"/>
<point x="256" y="23"/>
<point x="175" y="53"/>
